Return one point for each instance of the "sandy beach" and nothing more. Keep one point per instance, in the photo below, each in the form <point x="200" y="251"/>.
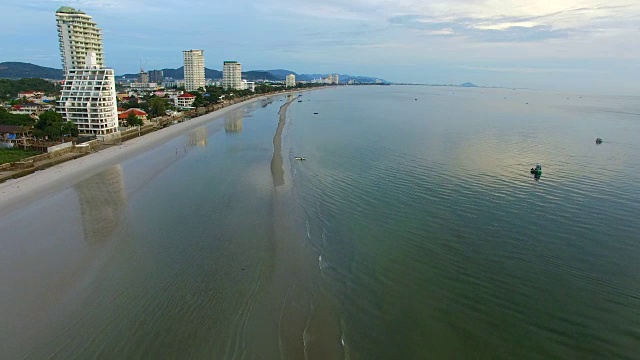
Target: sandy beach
<point x="15" y="192"/>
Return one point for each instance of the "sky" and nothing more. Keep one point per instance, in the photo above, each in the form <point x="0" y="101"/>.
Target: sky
<point x="586" y="46"/>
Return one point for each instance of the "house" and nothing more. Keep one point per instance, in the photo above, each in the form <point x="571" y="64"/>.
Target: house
<point x="185" y="101"/>
<point x="30" y="108"/>
<point x="30" y="94"/>
<point x="14" y="135"/>
<point x="122" y="116"/>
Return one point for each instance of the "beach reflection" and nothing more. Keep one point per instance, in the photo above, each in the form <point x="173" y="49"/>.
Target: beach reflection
<point x="102" y="200"/>
<point x="233" y="122"/>
<point x="198" y="137"/>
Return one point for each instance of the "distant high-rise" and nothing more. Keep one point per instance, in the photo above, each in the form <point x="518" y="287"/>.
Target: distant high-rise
<point x="232" y="75"/>
<point x="336" y="79"/>
<point x="143" y="78"/>
<point x="79" y="36"/>
<point x="194" y="70"/>
<point x="290" y="80"/>
<point x="156" y="76"/>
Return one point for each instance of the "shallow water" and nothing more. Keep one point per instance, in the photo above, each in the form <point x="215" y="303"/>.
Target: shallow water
<point x="413" y="230"/>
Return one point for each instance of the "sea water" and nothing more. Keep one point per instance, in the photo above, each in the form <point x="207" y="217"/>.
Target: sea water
<point x="412" y="230"/>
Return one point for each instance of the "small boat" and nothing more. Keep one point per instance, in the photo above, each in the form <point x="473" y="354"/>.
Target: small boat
<point x="315" y="113"/>
<point x="598" y="141"/>
<point x="300" y="158"/>
<point x="299" y="100"/>
<point x="537" y="170"/>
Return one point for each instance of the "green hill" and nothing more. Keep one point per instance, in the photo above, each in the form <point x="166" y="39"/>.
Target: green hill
<point x="20" y="70"/>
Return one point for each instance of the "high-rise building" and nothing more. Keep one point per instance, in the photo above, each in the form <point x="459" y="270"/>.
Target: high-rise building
<point x="156" y="76"/>
<point x="194" y="70"/>
<point x="336" y="79"/>
<point x="79" y="35"/>
<point x="143" y="78"/>
<point x="88" y="99"/>
<point x="290" y="80"/>
<point x="88" y="95"/>
<point x="232" y="75"/>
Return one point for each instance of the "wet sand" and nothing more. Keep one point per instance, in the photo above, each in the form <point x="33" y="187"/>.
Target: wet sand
<point x="307" y="321"/>
<point x="16" y="192"/>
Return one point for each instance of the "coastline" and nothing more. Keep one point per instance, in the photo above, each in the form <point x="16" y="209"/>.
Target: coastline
<point x="16" y="192"/>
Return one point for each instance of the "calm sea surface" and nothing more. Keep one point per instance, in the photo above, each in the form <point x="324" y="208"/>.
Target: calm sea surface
<point x="413" y="230"/>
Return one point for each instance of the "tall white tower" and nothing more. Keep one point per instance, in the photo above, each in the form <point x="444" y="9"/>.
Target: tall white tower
<point x="232" y="75"/>
<point x="88" y="96"/>
<point x="290" y="80"/>
<point x="79" y="36"/>
<point x="194" y="70"/>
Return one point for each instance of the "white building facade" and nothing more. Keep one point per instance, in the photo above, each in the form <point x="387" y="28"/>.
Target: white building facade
<point x="249" y="85"/>
<point x="79" y="36"/>
<point x="290" y="80"/>
<point x="194" y="70"/>
<point x="232" y="75"/>
<point x="88" y="99"/>
<point x="88" y="95"/>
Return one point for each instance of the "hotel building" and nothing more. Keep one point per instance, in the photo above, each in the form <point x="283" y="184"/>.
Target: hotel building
<point x="232" y="75"/>
<point x="78" y="35"/>
<point x="290" y="80"/>
<point x="88" y="95"/>
<point x="194" y="70"/>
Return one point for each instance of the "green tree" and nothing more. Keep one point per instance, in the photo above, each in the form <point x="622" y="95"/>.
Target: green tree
<point x="157" y="106"/>
<point x="133" y="120"/>
<point x="51" y="124"/>
<point x="7" y="118"/>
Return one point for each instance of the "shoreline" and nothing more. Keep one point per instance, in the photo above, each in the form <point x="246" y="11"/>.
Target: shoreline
<point x="16" y="192"/>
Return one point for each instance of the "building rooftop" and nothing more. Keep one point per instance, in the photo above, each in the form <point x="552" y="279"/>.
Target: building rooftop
<point x="68" y="10"/>
<point x="186" y="95"/>
<point x="230" y="62"/>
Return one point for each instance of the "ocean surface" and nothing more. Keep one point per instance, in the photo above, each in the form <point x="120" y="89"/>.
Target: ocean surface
<point x="413" y="230"/>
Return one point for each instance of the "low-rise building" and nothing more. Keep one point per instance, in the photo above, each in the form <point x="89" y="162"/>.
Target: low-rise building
<point x="14" y="135"/>
<point x="185" y="101"/>
<point x="248" y="85"/>
<point x="123" y="115"/>
<point x="30" y="94"/>
<point x="30" y="108"/>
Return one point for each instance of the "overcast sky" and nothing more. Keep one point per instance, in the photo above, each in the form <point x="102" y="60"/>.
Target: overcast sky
<point x="585" y="45"/>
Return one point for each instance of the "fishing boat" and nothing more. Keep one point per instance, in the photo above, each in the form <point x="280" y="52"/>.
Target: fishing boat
<point x="537" y="170"/>
<point x="300" y="158"/>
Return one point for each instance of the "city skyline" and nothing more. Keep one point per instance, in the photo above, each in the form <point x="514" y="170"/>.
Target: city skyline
<point x="567" y="45"/>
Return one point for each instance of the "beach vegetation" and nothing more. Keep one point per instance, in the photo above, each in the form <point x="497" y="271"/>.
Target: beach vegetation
<point x="51" y="124"/>
<point x="13" y="155"/>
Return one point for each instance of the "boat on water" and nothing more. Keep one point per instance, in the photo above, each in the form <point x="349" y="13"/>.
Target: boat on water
<point x="598" y="141"/>
<point x="537" y="170"/>
<point x="300" y="158"/>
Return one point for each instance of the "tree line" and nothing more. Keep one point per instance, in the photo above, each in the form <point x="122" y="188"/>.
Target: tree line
<point x="9" y="89"/>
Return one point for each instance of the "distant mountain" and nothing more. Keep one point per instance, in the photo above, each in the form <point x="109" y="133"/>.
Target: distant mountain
<point x="468" y="84"/>
<point x="20" y="70"/>
<point x="280" y="74"/>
